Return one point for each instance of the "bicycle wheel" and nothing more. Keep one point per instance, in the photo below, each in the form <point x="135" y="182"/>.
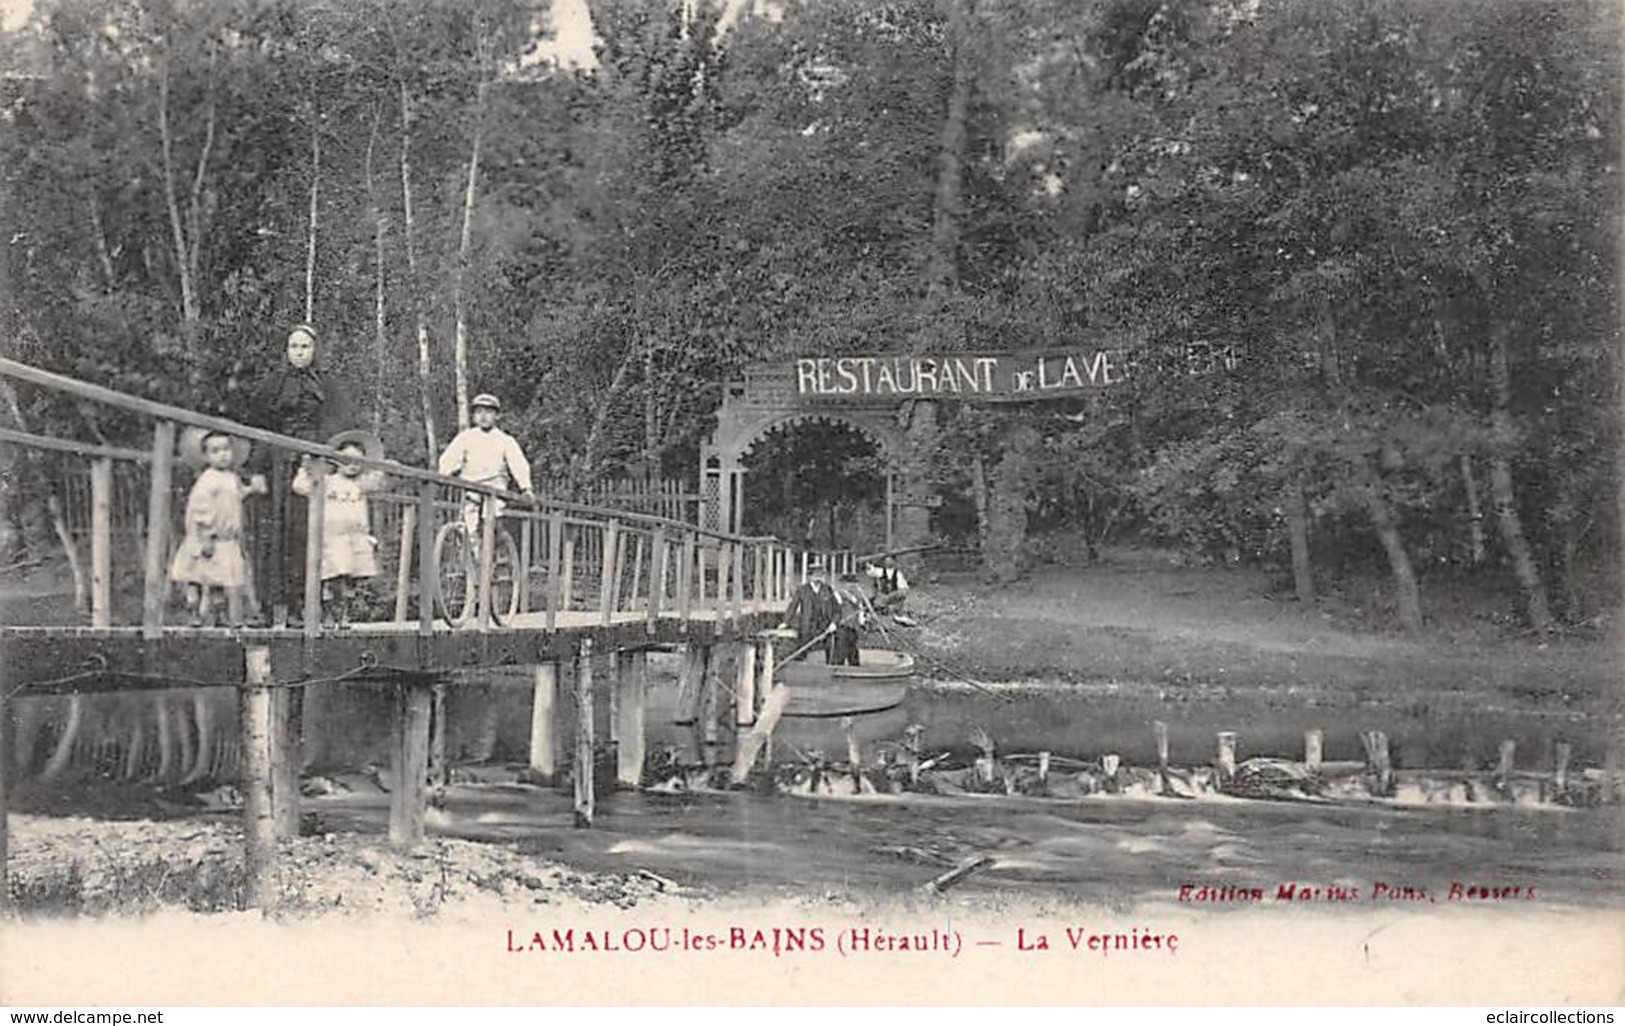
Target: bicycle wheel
<point x="454" y="577"/>
<point x="505" y="571"/>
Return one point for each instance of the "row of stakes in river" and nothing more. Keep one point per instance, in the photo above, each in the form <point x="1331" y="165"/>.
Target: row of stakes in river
<point x="908" y="766"/>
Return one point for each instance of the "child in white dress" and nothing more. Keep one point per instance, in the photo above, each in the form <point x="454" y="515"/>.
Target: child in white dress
<point x="210" y="556"/>
<point x="349" y="550"/>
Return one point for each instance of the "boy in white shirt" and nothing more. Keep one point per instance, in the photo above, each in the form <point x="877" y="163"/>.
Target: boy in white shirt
<point x="485" y="454"/>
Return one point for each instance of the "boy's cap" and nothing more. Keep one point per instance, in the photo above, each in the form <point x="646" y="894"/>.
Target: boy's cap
<point x="487" y="400"/>
<point x="371" y="447"/>
<point x="190" y="447"/>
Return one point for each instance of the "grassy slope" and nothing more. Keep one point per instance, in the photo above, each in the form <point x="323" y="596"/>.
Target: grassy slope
<point x="1139" y="620"/>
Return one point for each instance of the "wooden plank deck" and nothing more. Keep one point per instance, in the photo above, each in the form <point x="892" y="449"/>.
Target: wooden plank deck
<point x="68" y="660"/>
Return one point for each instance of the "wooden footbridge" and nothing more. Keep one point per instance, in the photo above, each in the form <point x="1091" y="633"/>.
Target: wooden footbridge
<point x="594" y="589"/>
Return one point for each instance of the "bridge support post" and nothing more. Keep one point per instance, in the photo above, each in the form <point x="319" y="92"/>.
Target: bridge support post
<point x="408" y="802"/>
<point x="544" y="737"/>
<point x="582" y="770"/>
<point x="259" y="819"/>
<point x="745" y="686"/>
<point x="708" y="708"/>
<point x="287" y="708"/>
<point x="631" y="683"/>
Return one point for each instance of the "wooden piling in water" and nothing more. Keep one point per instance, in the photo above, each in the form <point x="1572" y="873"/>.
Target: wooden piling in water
<point x="439" y="771"/>
<point x="1314" y="741"/>
<point x="1043" y="769"/>
<point x="583" y="768"/>
<point x="408" y="802"/>
<point x="745" y="685"/>
<point x="259" y="819"/>
<point x="1161" y="730"/>
<point x="284" y="755"/>
<point x="544" y="747"/>
<point x="631" y="712"/>
<point x="1560" y="773"/>
<point x="1377" y="761"/>
<point x="707" y="714"/>
<point x="1503" y="768"/>
<point x="1227" y="756"/>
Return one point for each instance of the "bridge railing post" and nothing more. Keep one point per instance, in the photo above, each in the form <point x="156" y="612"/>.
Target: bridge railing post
<point x="685" y="578"/>
<point x="739" y="579"/>
<point x="403" y="570"/>
<point x="527" y="546"/>
<point x="313" y="547"/>
<point x="657" y="576"/>
<point x="488" y="539"/>
<point x="758" y="554"/>
<point x="607" y="578"/>
<point x="101" y="542"/>
<point x="719" y="602"/>
<point x="638" y="549"/>
<point x="156" y="569"/>
<point x="555" y="556"/>
<point x="427" y="585"/>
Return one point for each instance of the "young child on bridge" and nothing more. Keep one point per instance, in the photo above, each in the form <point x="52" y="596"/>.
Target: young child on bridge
<point x="211" y="551"/>
<point x="349" y="550"/>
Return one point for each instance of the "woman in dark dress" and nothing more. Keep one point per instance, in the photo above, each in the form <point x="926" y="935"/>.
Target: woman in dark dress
<point x="293" y="401"/>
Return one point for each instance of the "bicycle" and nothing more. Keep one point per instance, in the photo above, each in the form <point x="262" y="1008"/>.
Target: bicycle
<point x="457" y="574"/>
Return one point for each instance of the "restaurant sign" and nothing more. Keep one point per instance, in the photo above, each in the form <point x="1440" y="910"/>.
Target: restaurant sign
<point x="989" y="377"/>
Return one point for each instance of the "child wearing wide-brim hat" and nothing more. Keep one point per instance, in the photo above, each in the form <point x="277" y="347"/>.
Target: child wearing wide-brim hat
<point x="211" y="553"/>
<point x="349" y="549"/>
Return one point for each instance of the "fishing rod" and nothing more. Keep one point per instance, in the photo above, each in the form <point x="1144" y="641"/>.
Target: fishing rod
<point x="871" y="557"/>
<point x="798" y="653"/>
<point x="952" y="673"/>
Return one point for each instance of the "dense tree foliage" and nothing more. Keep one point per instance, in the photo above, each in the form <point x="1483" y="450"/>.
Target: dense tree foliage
<point x="1363" y="253"/>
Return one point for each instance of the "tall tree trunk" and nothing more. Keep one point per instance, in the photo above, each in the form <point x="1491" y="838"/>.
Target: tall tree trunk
<point x="1009" y="483"/>
<point x="1503" y="440"/>
<point x="942" y="276"/>
<point x="315" y="191"/>
<point x="978" y="488"/>
<point x="1475" y="511"/>
<point x="1297" y="530"/>
<point x="99" y="233"/>
<point x="464" y="249"/>
<point x="1407" y="595"/>
<point x="379" y="224"/>
<point x="425" y="368"/>
<point x="188" y="234"/>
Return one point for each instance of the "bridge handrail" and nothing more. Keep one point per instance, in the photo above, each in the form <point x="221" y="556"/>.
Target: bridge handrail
<point x="163" y="411"/>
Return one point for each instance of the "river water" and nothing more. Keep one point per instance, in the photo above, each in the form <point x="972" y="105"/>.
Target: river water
<point x="1118" y="850"/>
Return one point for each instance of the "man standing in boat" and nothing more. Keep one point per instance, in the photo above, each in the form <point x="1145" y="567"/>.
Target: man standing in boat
<point x="813" y="607"/>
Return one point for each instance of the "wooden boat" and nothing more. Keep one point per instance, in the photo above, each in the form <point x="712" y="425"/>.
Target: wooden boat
<point x="879" y="682"/>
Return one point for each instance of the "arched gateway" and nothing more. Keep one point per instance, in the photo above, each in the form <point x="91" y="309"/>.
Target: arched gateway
<point x="767" y="398"/>
<point x="871" y="393"/>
